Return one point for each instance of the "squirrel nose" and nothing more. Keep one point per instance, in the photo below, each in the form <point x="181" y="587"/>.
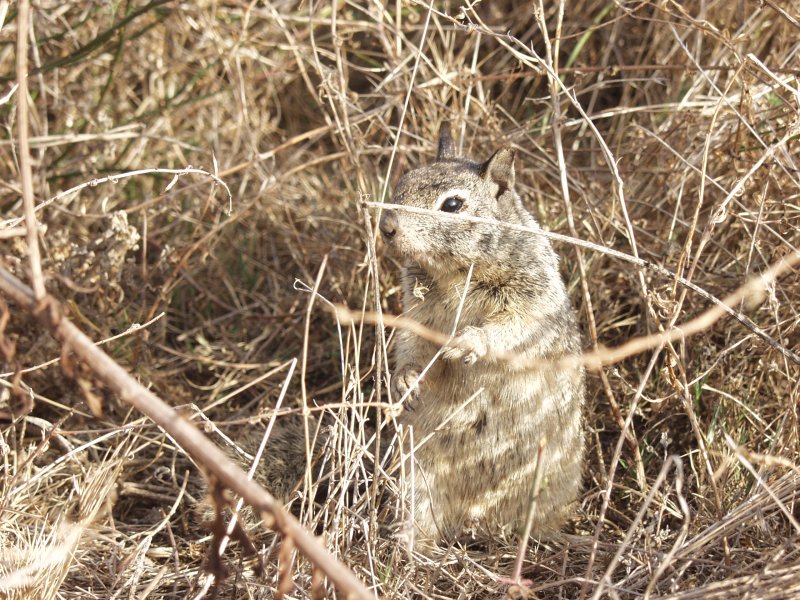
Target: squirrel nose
<point x="388" y="225"/>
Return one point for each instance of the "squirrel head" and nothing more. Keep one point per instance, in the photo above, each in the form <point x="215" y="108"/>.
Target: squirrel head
<point x="451" y="188"/>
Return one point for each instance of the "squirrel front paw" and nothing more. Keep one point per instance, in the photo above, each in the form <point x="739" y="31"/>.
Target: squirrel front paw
<point x="470" y="344"/>
<point x="405" y="384"/>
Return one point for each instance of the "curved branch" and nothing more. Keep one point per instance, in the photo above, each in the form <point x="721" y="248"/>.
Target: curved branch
<point x="48" y="312"/>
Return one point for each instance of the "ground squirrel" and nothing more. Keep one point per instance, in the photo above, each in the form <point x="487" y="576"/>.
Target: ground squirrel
<point x="475" y="471"/>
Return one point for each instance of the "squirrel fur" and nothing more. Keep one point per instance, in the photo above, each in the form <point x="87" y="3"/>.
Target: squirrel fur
<point x="474" y="469"/>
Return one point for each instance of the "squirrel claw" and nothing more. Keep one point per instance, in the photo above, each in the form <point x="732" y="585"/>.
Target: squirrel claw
<point x="470" y="344"/>
<point x="405" y="384"/>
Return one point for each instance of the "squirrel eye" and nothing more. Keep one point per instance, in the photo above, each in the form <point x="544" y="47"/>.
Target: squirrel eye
<point x="452" y="204"/>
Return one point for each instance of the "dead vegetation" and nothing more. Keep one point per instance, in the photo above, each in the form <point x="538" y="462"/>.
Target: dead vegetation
<point x="673" y="138"/>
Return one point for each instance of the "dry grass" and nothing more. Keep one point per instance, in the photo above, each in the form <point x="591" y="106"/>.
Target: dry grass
<point x="300" y="105"/>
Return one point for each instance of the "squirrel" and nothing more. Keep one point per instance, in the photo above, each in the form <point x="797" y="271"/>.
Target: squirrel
<point x="477" y="419"/>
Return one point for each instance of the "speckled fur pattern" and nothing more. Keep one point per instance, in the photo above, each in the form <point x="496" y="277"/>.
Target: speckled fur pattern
<point x="474" y="475"/>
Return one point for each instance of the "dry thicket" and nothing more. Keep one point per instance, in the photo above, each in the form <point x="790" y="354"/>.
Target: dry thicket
<point x="665" y="131"/>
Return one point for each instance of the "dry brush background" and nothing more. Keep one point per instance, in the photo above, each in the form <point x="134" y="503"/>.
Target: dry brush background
<point x="672" y="137"/>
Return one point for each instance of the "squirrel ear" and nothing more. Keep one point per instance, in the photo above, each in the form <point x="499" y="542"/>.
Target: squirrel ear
<point x="446" y="146"/>
<point x="500" y="169"/>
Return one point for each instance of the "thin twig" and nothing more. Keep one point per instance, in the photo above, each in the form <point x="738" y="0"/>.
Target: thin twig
<point x="516" y="576"/>
<point x="603" y="356"/>
<point x="307" y="483"/>
<point x="553" y="75"/>
<point x="176" y="173"/>
<point x="133" y="328"/>
<point x="26" y="176"/>
<point x="787" y="262"/>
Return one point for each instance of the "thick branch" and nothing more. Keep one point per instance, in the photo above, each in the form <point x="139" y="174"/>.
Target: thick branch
<point x="48" y="311"/>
